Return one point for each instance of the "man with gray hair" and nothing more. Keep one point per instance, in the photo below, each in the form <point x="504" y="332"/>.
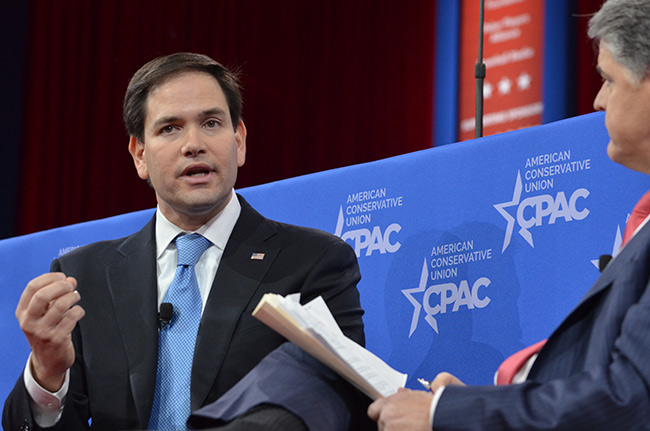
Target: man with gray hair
<point x="593" y="372"/>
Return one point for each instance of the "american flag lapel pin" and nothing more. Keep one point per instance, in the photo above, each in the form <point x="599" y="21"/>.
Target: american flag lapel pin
<point x="257" y="256"/>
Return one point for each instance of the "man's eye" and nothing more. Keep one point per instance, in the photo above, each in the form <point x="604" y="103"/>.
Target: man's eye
<point x="166" y="129"/>
<point x="211" y="124"/>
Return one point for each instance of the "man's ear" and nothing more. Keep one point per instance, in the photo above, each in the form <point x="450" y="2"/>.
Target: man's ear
<point x="240" y="138"/>
<point x="136" y="148"/>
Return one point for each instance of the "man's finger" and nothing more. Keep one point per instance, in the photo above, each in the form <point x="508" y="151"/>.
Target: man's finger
<point x="35" y="285"/>
<point x="47" y="314"/>
<point x="375" y="408"/>
<point x="70" y="319"/>
<point x="39" y="301"/>
<point x="445" y="379"/>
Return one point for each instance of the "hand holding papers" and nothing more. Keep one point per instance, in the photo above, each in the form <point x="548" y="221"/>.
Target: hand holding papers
<point x="313" y="328"/>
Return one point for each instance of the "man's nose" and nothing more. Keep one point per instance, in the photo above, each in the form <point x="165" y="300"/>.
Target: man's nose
<point x="193" y="142"/>
<point x="600" y="101"/>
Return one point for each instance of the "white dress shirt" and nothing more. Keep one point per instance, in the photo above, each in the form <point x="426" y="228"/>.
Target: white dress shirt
<point x="47" y="406"/>
<point x="217" y="231"/>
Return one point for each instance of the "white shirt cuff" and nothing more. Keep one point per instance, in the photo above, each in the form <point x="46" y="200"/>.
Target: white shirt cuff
<point x="434" y="403"/>
<point x="47" y="407"/>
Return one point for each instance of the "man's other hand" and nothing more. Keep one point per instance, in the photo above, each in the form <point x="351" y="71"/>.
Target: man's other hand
<point x="47" y="314"/>
<point x="406" y="410"/>
<point x="445" y="379"/>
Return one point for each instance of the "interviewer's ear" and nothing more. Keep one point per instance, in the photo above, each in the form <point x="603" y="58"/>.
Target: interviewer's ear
<point x="136" y="148"/>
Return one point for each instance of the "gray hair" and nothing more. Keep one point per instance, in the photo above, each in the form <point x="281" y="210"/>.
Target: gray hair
<point x="624" y="27"/>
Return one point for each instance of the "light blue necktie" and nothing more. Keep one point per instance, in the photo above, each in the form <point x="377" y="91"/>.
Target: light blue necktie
<point x="171" y="403"/>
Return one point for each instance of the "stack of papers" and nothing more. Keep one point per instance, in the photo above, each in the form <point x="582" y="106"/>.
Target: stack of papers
<point x="313" y="328"/>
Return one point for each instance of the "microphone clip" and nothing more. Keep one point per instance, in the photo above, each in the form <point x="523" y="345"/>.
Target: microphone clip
<point x="165" y="315"/>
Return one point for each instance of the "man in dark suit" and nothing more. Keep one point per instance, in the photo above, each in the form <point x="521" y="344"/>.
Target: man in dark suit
<point x="593" y="373"/>
<point x="92" y="323"/>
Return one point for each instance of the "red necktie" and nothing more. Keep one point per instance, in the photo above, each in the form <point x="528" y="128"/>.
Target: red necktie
<point x="639" y="213"/>
<point x="513" y="364"/>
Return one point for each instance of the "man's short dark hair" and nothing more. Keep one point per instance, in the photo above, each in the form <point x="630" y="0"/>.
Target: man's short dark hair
<point x="161" y="69"/>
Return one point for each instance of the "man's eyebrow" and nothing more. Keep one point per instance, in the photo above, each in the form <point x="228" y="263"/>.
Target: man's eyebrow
<point x="602" y="72"/>
<point x="164" y="120"/>
<point x="213" y="111"/>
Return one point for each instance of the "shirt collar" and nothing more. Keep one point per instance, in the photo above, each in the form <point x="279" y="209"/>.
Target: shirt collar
<point x="217" y="230"/>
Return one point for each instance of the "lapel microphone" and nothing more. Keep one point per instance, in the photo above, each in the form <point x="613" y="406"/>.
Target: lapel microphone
<point x="165" y="315"/>
<point x="602" y="262"/>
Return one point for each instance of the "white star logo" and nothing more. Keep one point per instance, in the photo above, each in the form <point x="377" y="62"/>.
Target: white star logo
<point x="504" y="85"/>
<point x="339" y="223"/>
<point x="523" y="81"/>
<point x="487" y="90"/>
<point x="516" y="197"/>
<point x="416" y="305"/>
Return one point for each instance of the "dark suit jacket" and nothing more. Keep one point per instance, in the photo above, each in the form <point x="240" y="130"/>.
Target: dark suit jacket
<point x="116" y="343"/>
<point x="592" y="374"/>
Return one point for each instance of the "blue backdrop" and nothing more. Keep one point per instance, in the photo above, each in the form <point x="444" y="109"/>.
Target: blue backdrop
<point x="468" y="252"/>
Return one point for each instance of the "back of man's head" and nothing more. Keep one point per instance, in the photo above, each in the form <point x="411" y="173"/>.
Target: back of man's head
<point x="161" y="69"/>
<point x="624" y="27"/>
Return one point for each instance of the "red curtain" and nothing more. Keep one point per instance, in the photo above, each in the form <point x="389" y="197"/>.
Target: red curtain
<point x="328" y="83"/>
<point x="587" y="79"/>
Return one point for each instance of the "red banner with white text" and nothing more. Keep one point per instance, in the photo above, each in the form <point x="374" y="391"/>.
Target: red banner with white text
<point x="513" y="55"/>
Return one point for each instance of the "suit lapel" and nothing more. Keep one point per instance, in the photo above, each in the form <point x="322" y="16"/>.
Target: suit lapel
<point x="617" y="267"/>
<point x="617" y="270"/>
<point x="237" y="279"/>
<point x="132" y="285"/>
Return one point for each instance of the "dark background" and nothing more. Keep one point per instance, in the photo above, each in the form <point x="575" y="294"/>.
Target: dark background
<point x="328" y="83"/>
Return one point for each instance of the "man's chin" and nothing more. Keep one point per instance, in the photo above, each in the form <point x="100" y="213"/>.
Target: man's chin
<point x="630" y="161"/>
<point x="202" y="205"/>
<point x="614" y="154"/>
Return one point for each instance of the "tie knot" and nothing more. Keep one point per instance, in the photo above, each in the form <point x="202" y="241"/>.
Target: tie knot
<point x="639" y="214"/>
<point x="190" y="248"/>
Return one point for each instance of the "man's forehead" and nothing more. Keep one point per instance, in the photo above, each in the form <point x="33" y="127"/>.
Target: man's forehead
<point x="604" y="58"/>
<point x="186" y="82"/>
<point x="180" y="95"/>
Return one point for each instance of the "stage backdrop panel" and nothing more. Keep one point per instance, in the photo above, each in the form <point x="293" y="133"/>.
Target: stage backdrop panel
<point x="468" y="252"/>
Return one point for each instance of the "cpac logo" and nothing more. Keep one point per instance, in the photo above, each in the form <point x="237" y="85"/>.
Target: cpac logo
<point x="446" y="295"/>
<point x="364" y="239"/>
<point x="534" y="210"/>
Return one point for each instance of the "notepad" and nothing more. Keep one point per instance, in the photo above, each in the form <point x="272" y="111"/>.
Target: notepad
<point x="313" y="328"/>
